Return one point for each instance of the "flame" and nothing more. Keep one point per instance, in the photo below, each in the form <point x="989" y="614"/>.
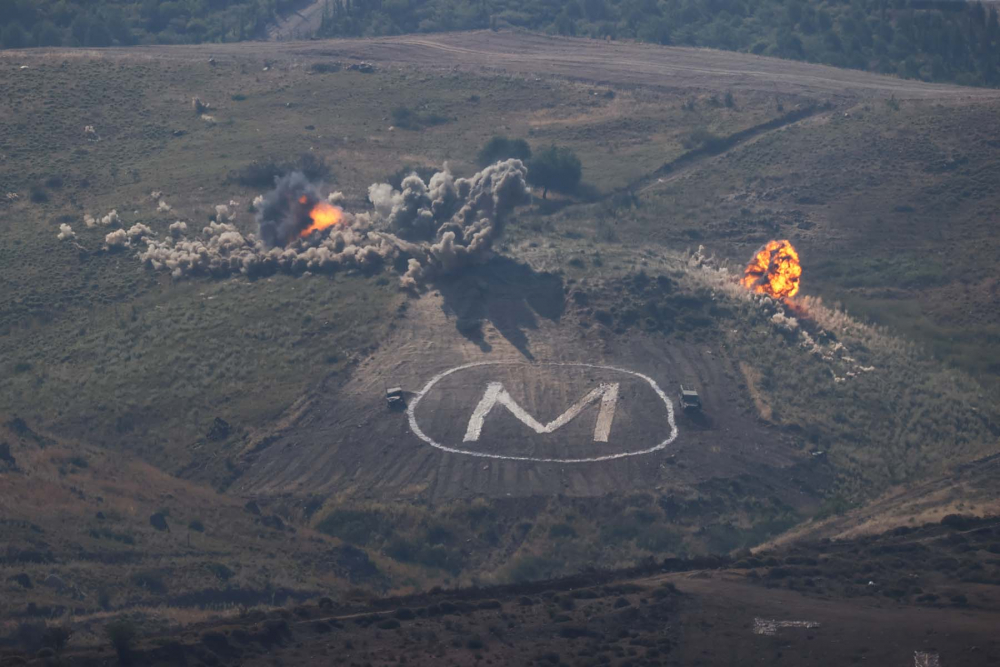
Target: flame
<point x="323" y="215"/>
<point x="775" y="270"/>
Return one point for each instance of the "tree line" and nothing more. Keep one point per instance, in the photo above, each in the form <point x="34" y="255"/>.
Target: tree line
<point x="95" y="23"/>
<point x="934" y="40"/>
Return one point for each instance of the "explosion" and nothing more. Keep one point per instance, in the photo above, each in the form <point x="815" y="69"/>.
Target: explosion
<point x="774" y="270"/>
<point x="432" y="228"/>
<point x="323" y="215"/>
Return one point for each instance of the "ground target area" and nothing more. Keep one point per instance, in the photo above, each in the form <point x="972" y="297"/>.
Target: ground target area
<point x="543" y="412"/>
<point x="552" y="413"/>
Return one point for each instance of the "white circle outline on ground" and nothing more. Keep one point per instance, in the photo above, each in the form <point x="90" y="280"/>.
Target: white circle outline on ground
<point x="411" y="411"/>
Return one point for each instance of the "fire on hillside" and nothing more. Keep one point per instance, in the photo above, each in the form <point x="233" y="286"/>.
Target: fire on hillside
<point x="322" y="214"/>
<point x="774" y="270"/>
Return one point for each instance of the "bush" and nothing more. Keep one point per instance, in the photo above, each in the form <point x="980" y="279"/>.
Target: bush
<point x="501" y="148"/>
<point x="561" y="530"/>
<point x="555" y="168"/>
<point x="197" y="526"/>
<point x="355" y="526"/>
<point x="222" y="572"/>
<point x="702" y="139"/>
<point x="151" y="581"/>
<point x="39" y="195"/>
<point x="406" y="118"/>
<point x="30" y="635"/>
<point x="122" y="634"/>
<point x="56" y="637"/>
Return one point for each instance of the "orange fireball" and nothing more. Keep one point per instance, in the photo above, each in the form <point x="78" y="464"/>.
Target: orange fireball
<point x="323" y="215"/>
<point x="775" y="270"/>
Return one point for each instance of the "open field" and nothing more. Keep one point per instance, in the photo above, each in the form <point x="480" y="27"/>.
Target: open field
<point x="614" y="63"/>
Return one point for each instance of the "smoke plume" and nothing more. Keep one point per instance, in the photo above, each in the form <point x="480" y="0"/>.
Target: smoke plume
<point x="437" y="227"/>
<point x="284" y="212"/>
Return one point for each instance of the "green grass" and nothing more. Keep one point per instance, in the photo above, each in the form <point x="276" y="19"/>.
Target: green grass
<point x="152" y="375"/>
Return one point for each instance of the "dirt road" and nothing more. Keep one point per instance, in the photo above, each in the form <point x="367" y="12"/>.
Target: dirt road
<point x="529" y="54"/>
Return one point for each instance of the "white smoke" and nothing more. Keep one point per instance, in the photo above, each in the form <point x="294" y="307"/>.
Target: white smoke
<point x="784" y="322"/>
<point x="111" y="218"/>
<point x="116" y="239"/>
<point x="438" y="227"/>
<point x="65" y="232"/>
<point x="138" y="231"/>
<point x="163" y="206"/>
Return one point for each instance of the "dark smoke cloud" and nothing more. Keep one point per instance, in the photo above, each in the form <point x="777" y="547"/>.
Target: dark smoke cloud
<point x="438" y="227"/>
<point x="285" y="209"/>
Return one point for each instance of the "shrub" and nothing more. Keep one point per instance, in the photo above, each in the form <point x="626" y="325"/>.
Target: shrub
<point x="220" y="571"/>
<point x="56" y="637"/>
<point x="561" y="530"/>
<point x="39" y="195"/>
<point x="702" y="139"/>
<point x="197" y="526"/>
<point x="122" y="634"/>
<point x="406" y="118"/>
<point x="501" y="148"/>
<point x="355" y="526"/>
<point x="159" y="521"/>
<point x="29" y="635"/>
<point x="151" y="581"/>
<point x="529" y="567"/>
<point x="555" y="168"/>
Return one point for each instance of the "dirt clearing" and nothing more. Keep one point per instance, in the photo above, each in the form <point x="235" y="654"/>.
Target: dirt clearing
<point x="557" y="383"/>
<point x="615" y="63"/>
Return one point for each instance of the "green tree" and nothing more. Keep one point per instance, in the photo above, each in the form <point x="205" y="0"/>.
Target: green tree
<point x="14" y="36"/>
<point x="121" y="634"/>
<point x="47" y="34"/>
<point x="557" y="168"/>
<point x="500" y="147"/>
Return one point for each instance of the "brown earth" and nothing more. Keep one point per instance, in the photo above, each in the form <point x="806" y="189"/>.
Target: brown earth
<point x="615" y="63"/>
<point x="869" y="601"/>
<point x="348" y="443"/>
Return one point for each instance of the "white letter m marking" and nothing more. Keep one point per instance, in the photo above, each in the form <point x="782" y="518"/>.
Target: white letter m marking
<point x="495" y="393"/>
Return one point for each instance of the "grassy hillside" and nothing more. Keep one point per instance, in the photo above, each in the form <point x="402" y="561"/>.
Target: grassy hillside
<point x="100" y="355"/>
